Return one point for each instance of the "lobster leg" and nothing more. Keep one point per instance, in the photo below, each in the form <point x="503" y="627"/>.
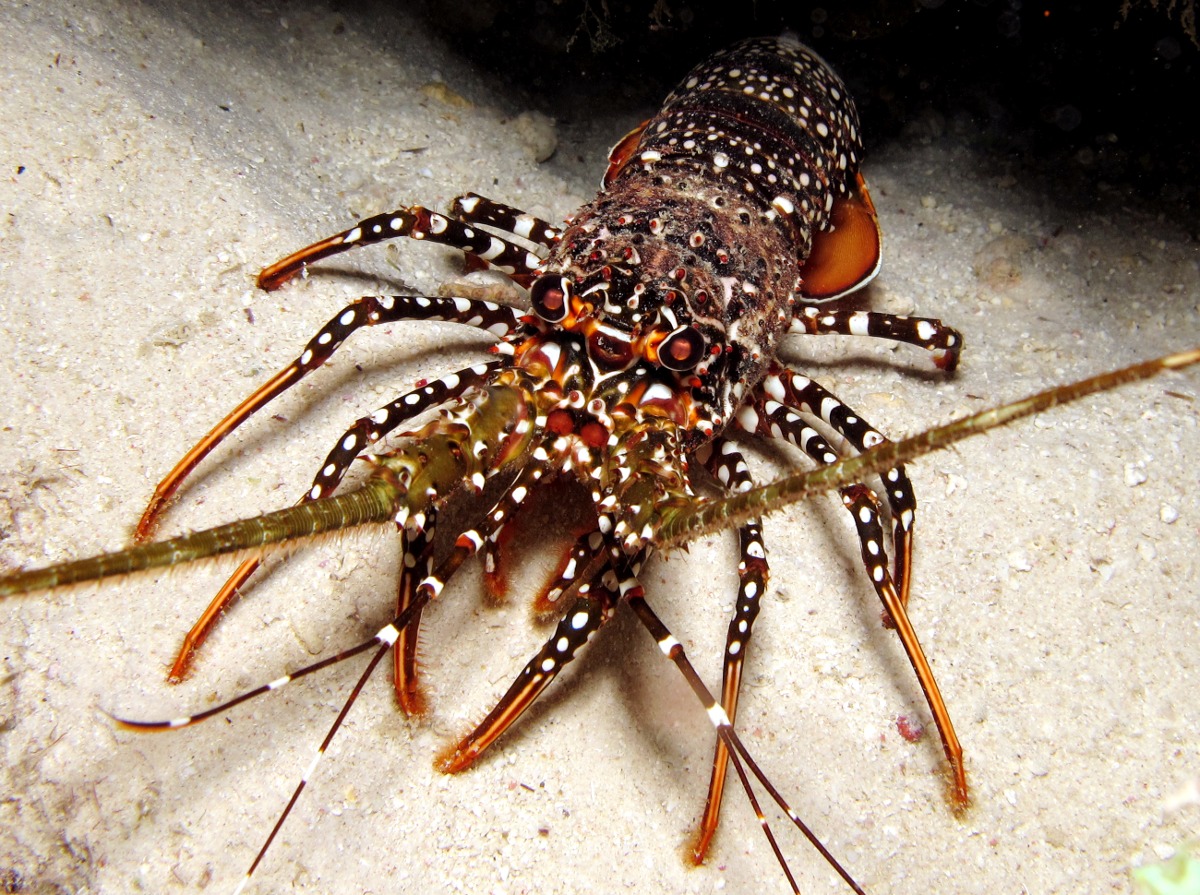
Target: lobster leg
<point x="585" y="616"/>
<point x="354" y="440"/>
<point x="417" y="223"/>
<point x="496" y="550"/>
<point x="587" y="547"/>
<point x="495" y="573"/>
<point x="923" y="332"/>
<point x="365" y="311"/>
<point x="863" y="505"/>
<point x="416" y="565"/>
<point x="593" y="606"/>
<point x="471" y="208"/>
<point x="813" y="398"/>
<point x="727" y="464"/>
<point x="471" y="541"/>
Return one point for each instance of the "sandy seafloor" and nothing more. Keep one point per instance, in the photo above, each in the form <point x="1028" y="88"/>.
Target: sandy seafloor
<point x="168" y="156"/>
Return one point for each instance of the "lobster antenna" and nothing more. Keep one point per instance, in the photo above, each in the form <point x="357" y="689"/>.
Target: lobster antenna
<point x="378" y="500"/>
<point x="683" y="524"/>
<point x="189" y="720"/>
<point x="385" y="639"/>
<point x="673" y="650"/>
<point x="388" y="635"/>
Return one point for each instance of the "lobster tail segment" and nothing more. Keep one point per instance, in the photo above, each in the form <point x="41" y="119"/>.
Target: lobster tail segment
<point x="377" y="501"/>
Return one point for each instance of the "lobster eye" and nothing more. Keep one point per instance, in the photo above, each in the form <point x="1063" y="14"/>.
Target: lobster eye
<point x="681" y="350"/>
<point x="551" y="296"/>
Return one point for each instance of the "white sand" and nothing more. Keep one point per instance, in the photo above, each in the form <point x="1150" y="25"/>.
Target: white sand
<point x="1057" y="568"/>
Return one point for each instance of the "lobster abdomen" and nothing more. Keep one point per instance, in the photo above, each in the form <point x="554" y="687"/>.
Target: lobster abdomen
<point x="769" y="120"/>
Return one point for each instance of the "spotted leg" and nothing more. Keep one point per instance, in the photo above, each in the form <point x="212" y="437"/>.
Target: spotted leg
<point x="495" y="569"/>
<point x="864" y="507"/>
<point x="728" y="466"/>
<point x="570" y="564"/>
<point x="586" y="549"/>
<point x="923" y="332"/>
<point x="416" y="223"/>
<point x="471" y="208"/>
<point x="472" y="540"/>
<point x="363" y="433"/>
<point x="811" y="397"/>
<point x="595" y="602"/>
<point x="593" y="606"/>
<point x="782" y="421"/>
<point x="416" y="565"/>
<point x="496" y="319"/>
<point x="497" y="549"/>
<point x="416" y="591"/>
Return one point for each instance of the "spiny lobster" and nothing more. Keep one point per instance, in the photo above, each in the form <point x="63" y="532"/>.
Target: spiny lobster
<point x="658" y="312"/>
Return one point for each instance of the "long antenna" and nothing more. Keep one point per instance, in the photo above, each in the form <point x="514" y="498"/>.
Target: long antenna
<point x="378" y="500"/>
<point x="684" y="524"/>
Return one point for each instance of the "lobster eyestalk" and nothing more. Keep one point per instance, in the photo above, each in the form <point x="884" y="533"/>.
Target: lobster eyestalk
<point x="682" y="524"/>
<point x="443" y="454"/>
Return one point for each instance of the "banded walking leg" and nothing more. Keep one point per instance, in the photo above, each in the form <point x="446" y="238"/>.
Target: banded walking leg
<point x="416" y="223"/>
<point x="780" y="420"/>
<point x="416" y="565"/>
<point x="496" y="551"/>
<point x="471" y="208"/>
<point x="371" y="310"/>
<point x="593" y="606"/>
<point x="811" y="397"/>
<point x="472" y="540"/>
<point x="864" y="507"/>
<point x="364" y="432"/>
<point x="582" y="554"/>
<point x="588" y="544"/>
<point x="923" y="332"/>
<point x="729" y="467"/>
<point x="495" y="569"/>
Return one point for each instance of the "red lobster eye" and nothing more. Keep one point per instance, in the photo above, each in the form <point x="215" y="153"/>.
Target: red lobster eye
<point x="681" y="350"/>
<point x="551" y="297"/>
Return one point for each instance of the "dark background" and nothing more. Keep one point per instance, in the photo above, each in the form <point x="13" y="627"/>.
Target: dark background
<point x="1088" y="99"/>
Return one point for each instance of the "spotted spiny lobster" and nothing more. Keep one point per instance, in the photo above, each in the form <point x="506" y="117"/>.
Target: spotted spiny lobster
<point x="723" y="224"/>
